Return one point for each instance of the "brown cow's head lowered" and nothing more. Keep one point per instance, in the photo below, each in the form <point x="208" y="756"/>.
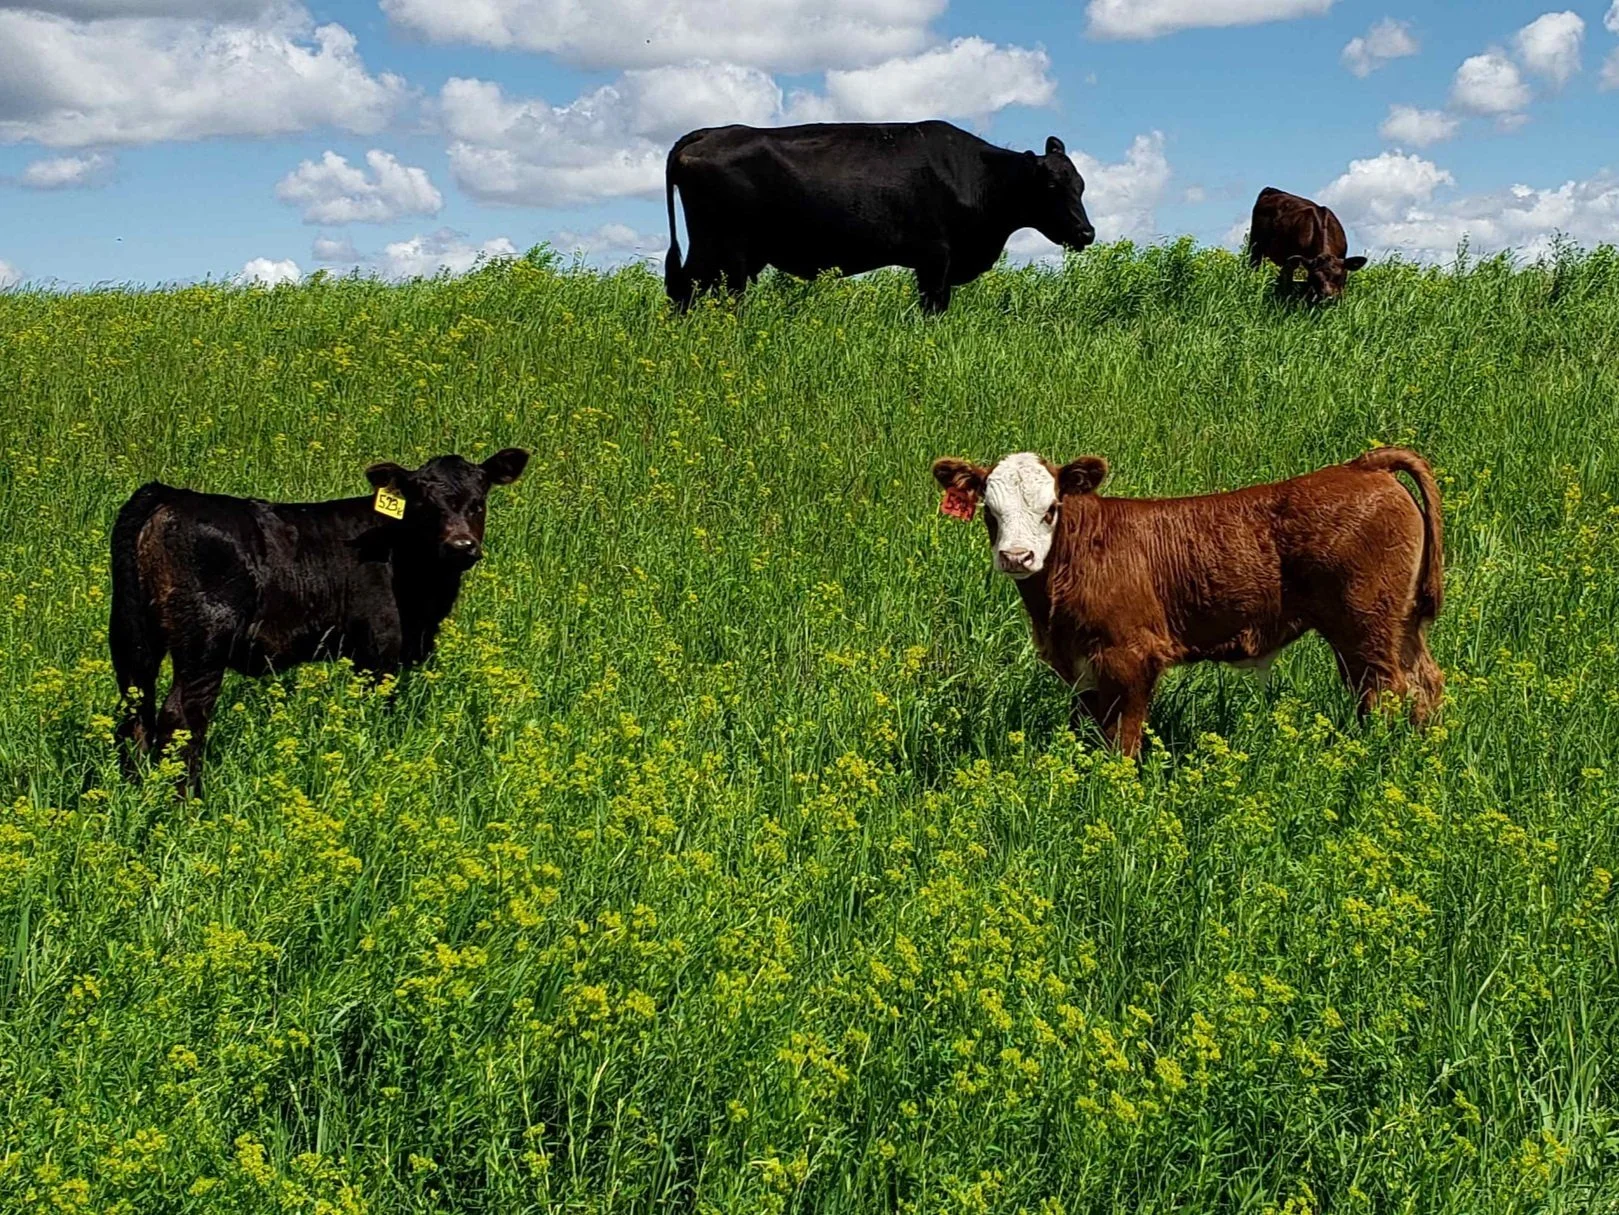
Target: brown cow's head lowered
<point x="445" y="499"/>
<point x="1325" y="274"/>
<point x="1022" y="496"/>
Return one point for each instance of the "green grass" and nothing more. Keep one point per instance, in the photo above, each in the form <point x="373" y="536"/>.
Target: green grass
<point x="732" y="855"/>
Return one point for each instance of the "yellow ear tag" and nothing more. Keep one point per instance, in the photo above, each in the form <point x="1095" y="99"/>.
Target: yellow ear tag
<point x="389" y="503"/>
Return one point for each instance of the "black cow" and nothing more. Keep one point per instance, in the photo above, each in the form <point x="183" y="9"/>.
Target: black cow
<point x="252" y="586"/>
<point x="1293" y="231"/>
<point x="854" y="196"/>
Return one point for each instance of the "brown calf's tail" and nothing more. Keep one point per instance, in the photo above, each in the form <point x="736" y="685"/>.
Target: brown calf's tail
<point x="1431" y="578"/>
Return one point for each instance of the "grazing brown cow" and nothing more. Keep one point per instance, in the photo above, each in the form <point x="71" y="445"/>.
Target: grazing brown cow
<point x="1293" y="232"/>
<point x="1118" y="590"/>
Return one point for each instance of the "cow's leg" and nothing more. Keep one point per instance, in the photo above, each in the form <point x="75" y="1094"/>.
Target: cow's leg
<point x="933" y="281"/>
<point x="137" y="645"/>
<point x="1085" y="707"/>
<point x="1369" y="663"/>
<point x="1124" y="689"/>
<point x="190" y="706"/>
<point x="1426" y="680"/>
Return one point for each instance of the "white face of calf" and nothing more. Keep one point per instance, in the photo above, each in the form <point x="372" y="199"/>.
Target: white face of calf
<point x="1020" y="510"/>
<point x="1022" y="497"/>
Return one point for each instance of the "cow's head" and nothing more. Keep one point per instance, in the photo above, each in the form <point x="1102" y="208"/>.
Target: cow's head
<point x="1023" y="498"/>
<point x="1324" y="274"/>
<point x="1059" y="201"/>
<point x="445" y="500"/>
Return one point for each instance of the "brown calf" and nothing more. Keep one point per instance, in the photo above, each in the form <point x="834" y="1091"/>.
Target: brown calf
<point x="1118" y="590"/>
<point x="1293" y="232"/>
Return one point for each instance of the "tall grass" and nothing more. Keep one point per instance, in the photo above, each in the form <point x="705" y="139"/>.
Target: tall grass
<point x="732" y="855"/>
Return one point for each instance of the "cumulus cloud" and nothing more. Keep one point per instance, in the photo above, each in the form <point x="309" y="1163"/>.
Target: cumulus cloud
<point x="970" y="78"/>
<point x="331" y="191"/>
<point x="269" y="273"/>
<point x="1381" y="187"/>
<point x="1388" y="39"/>
<point x="10" y="276"/>
<point x="612" y="142"/>
<point x="1611" y="21"/>
<point x="71" y="84"/>
<point x="612" y="244"/>
<point x="1419" y="128"/>
<point x="781" y="35"/>
<point x="96" y="10"/>
<point x="442" y="252"/>
<point x="334" y="250"/>
<point x="68" y="172"/>
<point x="1489" y="85"/>
<point x="1521" y="218"/>
<point x="1154" y="18"/>
<point x="1549" y="46"/>
<point x="1122" y="199"/>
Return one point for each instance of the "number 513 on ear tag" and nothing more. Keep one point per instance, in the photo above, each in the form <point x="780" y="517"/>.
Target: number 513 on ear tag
<point x="389" y="503"/>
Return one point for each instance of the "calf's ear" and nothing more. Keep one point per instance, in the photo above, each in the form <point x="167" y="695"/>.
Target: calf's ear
<point x="1353" y="263"/>
<point x="386" y="474"/>
<point x="952" y="473"/>
<point x="1081" y="476"/>
<point x="1054" y="146"/>
<point x="506" y="465"/>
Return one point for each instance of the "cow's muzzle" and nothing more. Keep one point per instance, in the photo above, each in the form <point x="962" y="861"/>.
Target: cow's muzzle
<point x="462" y="551"/>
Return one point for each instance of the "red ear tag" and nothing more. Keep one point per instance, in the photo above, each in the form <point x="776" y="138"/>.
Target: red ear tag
<point x="959" y="503"/>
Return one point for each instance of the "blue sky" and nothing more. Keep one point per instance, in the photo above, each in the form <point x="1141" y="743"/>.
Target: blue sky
<point x="166" y="140"/>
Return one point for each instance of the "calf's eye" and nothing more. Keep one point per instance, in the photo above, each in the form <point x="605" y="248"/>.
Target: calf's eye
<point x="1051" y="514"/>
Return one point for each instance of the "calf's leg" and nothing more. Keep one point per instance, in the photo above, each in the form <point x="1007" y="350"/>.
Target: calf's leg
<point x="137" y="654"/>
<point x="1124" y="688"/>
<point x="190" y="706"/>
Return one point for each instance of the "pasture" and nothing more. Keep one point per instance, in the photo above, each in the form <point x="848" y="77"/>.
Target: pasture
<point x="733" y="854"/>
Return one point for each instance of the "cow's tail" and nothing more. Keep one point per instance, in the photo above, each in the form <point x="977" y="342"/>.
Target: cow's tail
<point x="134" y="633"/>
<point x="675" y="279"/>
<point x="1431" y="576"/>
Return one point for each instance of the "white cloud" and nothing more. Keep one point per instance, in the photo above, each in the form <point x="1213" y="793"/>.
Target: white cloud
<point x="73" y="84"/>
<point x="613" y="244"/>
<point x="1419" y="128"/>
<point x="269" y="273"/>
<point x="1195" y="194"/>
<point x="1383" y="186"/>
<point x="783" y="35"/>
<point x="96" y="10"/>
<point x="1610" y="71"/>
<point x="438" y="252"/>
<point x="1122" y="199"/>
<point x="1388" y="39"/>
<point x="10" y="276"/>
<point x="331" y="191"/>
<point x="970" y="78"/>
<point x="1154" y="18"/>
<point x="334" y="250"/>
<point x="612" y="142"/>
<point x="1611" y="21"/>
<point x="1549" y="46"/>
<point x="1521" y="218"/>
<point x="1490" y="85"/>
<point x="68" y="172"/>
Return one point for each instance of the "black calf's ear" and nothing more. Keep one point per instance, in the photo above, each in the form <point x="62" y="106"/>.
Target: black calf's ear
<point x="385" y="474"/>
<point x="1354" y="263"/>
<point x="1054" y="146"/>
<point x="1081" y="476"/>
<point x="506" y="465"/>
